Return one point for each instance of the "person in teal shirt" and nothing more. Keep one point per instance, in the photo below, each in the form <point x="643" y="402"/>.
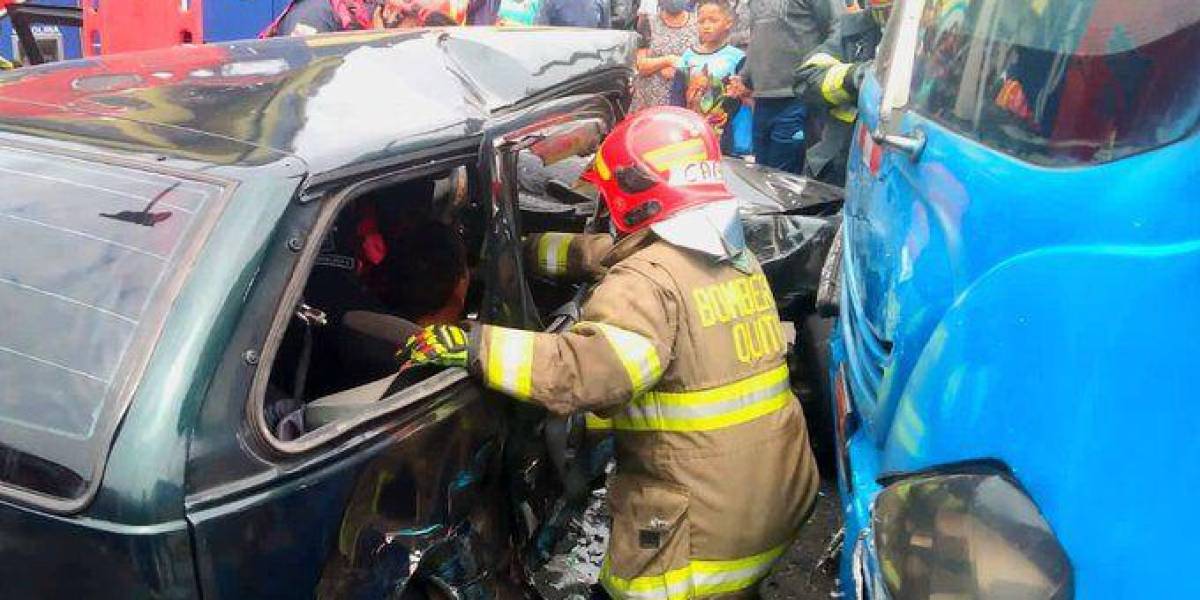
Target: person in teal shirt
<point x="702" y="77"/>
<point x="518" y="12"/>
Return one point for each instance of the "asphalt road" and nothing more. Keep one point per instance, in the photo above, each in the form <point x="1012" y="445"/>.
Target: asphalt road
<point x="805" y="572"/>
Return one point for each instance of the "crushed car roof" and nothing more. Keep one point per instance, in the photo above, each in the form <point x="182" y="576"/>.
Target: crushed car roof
<point x="328" y="99"/>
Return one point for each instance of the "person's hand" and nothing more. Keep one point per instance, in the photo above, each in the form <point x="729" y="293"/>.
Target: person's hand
<point x="736" y="88"/>
<point x="441" y="345"/>
<point x="671" y="62"/>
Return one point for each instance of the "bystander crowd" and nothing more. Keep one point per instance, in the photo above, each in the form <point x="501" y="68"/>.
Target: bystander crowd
<point x="595" y="14"/>
<point x="705" y="70"/>
<point x="665" y="36"/>
<point x="782" y="34"/>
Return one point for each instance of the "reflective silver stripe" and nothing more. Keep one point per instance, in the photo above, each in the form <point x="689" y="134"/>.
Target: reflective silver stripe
<point x="699" y="578"/>
<point x="636" y="353"/>
<point x="704" y="410"/>
<point x="509" y="365"/>
<point x="647" y="407"/>
<point x="552" y="252"/>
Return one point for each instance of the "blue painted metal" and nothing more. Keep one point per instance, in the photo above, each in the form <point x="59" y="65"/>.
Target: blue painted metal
<point x="70" y="35"/>
<point x="226" y="20"/>
<point x="1045" y="318"/>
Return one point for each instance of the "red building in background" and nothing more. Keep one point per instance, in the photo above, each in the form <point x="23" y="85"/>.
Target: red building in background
<point x="63" y="29"/>
<point x="128" y="25"/>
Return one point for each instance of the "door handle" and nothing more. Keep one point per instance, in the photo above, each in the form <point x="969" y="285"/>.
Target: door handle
<point x="912" y="145"/>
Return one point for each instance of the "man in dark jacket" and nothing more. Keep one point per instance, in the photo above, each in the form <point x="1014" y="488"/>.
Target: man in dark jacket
<point x="575" y="13"/>
<point x="831" y="76"/>
<point x="782" y="33"/>
<point x="308" y="17"/>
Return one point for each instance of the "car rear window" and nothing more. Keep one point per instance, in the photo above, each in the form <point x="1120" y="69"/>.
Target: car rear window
<point x="88" y="252"/>
<point x="1061" y="82"/>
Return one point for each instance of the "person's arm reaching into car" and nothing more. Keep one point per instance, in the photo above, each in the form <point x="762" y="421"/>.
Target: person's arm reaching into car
<point x="570" y="256"/>
<point x="617" y="351"/>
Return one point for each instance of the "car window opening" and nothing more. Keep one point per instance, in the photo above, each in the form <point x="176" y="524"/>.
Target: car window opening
<point x="553" y="198"/>
<point x="396" y="258"/>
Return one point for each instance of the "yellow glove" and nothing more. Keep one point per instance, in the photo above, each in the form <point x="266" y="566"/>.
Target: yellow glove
<point x="442" y="345"/>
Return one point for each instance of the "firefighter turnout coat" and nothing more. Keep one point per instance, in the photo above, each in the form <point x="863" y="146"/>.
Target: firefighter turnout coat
<point x="825" y="78"/>
<point x="684" y="355"/>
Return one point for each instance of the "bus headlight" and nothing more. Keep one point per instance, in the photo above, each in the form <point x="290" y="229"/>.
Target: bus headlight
<point x="966" y="536"/>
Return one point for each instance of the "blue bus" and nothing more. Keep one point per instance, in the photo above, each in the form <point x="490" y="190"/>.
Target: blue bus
<point x="1018" y="336"/>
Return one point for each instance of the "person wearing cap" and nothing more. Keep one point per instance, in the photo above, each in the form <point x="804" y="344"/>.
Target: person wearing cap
<point x="830" y="78"/>
<point x="680" y="347"/>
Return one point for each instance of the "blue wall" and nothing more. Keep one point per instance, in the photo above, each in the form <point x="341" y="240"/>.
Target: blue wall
<point x="71" y="47"/>
<point x="238" y="19"/>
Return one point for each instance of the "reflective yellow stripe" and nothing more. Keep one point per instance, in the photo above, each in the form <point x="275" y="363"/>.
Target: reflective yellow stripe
<point x="602" y="167"/>
<point x="845" y="114"/>
<point x="679" y="153"/>
<point x="510" y="361"/>
<point x="636" y="353"/>
<point x="833" y="85"/>
<point x="706" y="410"/>
<point x="552" y="252"/>
<point x="592" y="422"/>
<point x="821" y="59"/>
<point x="699" y="578"/>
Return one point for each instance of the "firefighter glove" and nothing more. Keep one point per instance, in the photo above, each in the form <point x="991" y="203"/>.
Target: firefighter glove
<point x="854" y="79"/>
<point x="441" y="345"/>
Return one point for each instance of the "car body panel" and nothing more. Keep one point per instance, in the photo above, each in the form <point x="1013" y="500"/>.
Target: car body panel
<point x="305" y="95"/>
<point x="789" y="223"/>
<point x="1040" y="317"/>
<point x="368" y="512"/>
<point x="186" y="478"/>
<point x="49" y="555"/>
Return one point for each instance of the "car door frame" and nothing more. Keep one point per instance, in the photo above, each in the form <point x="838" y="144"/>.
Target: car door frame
<point x="254" y="468"/>
<point x="529" y="451"/>
<point x="501" y="174"/>
<point x="338" y="194"/>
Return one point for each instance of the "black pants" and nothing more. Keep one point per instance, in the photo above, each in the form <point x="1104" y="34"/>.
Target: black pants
<point x="779" y="133"/>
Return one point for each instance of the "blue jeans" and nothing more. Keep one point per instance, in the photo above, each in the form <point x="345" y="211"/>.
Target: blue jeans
<point x="779" y="133"/>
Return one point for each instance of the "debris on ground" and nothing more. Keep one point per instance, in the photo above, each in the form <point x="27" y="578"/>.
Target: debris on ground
<point x="802" y="574"/>
<point x="806" y="571"/>
<point x="575" y="566"/>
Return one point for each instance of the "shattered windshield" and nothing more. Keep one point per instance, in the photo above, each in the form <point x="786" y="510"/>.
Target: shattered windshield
<point x="88" y="251"/>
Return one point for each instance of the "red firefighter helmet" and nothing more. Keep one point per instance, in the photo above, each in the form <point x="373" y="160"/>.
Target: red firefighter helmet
<point x="655" y="164"/>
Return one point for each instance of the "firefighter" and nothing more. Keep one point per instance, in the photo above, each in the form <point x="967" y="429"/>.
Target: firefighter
<point x="831" y="76"/>
<point x="680" y="346"/>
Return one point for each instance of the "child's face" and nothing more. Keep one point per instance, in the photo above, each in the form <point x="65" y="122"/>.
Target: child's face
<point x="714" y="24"/>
